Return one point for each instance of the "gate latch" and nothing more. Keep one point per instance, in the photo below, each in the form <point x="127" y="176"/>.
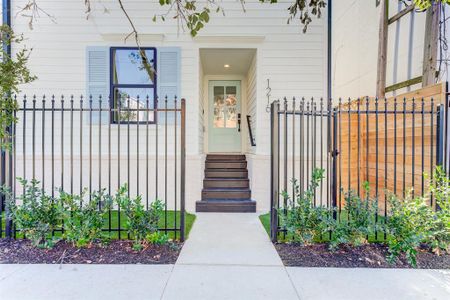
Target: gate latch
<point x="335" y="153"/>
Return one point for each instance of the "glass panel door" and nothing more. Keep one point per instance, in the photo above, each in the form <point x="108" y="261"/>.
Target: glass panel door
<point x="224" y="108"/>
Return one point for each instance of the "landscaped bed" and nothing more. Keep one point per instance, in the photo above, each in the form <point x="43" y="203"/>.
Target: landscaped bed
<point x="21" y="251"/>
<point x="113" y="251"/>
<point x="90" y="229"/>
<point x="366" y="256"/>
<point x="412" y="233"/>
<point x="371" y="255"/>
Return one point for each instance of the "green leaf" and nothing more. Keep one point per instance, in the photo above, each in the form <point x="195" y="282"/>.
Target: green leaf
<point x="204" y="16"/>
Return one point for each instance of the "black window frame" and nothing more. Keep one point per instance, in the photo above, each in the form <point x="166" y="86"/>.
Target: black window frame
<point x="113" y="86"/>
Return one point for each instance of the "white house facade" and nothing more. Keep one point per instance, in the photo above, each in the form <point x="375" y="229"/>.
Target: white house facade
<point x="253" y="54"/>
<point x="228" y="75"/>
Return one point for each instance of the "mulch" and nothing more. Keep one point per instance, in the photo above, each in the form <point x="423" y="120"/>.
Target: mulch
<point x="365" y="256"/>
<point x="115" y="252"/>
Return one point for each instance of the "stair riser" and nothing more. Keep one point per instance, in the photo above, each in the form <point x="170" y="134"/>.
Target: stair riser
<point x="224" y="174"/>
<point x="226" y="165"/>
<point x="218" y="207"/>
<point x="225" y="184"/>
<point x="226" y="195"/>
<point x="225" y="157"/>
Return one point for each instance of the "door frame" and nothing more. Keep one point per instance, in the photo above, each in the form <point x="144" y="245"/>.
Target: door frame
<point x="206" y="80"/>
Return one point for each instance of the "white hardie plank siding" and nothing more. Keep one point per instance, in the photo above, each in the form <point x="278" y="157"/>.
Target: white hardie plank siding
<point x="355" y="27"/>
<point x="295" y="64"/>
<point x="201" y="116"/>
<point x="251" y="102"/>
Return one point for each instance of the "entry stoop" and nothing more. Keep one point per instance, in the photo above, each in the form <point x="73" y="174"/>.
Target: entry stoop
<point x="226" y="187"/>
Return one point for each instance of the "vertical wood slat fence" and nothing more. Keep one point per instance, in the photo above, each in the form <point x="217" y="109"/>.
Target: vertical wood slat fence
<point x="388" y="143"/>
<point x="89" y="144"/>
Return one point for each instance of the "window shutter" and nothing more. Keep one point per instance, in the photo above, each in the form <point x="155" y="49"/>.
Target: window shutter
<point x="168" y="77"/>
<point x="97" y="79"/>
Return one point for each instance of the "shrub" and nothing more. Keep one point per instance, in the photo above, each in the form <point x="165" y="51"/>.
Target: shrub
<point x="360" y="220"/>
<point x="413" y="221"/>
<point x="305" y="221"/>
<point x="410" y="222"/>
<point x="440" y="190"/>
<point x="157" y="238"/>
<point x="140" y="222"/>
<point x="83" y="220"/>
<point x="37" y="216"/>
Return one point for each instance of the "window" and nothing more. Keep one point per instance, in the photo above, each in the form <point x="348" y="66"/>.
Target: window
<point x="132" y="87"/>
<point x="225" y="107"/>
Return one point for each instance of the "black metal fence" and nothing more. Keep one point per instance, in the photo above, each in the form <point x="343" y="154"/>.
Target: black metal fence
<point x="78" y="144"/>
<point x="386" y="145"/>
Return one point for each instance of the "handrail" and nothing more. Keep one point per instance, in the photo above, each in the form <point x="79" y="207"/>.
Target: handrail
<point x="250" y="133"/>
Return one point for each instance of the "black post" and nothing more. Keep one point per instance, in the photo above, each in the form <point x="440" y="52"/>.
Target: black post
<point x="182" y="168"/>
<point x="440" y="136"/>
<point x="8" y="166"/>
<point x="6" y="156"/>
<point x="274" y="169"/>
<point x="334" y="155"/>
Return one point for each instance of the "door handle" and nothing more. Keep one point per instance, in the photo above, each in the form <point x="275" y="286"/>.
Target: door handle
<point x="239" y="122"/>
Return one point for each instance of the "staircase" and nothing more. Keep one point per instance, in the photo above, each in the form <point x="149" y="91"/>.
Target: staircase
<point x="226" y="186"/>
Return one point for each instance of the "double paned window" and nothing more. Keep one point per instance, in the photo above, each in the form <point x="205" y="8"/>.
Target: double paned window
<point x="133" y="84"/>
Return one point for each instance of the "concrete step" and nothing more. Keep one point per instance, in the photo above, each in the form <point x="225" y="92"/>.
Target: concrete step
<point x="225" y="183"/>
<point x="227" y="193"/>
<point x="222" y="173"/>
<point x="221" y="205"/>
<point x="230" y="164"/>
<point x="235" y="157"/>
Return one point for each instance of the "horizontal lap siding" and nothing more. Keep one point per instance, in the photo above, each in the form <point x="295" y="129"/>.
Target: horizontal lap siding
<point x="355" y="45"/>
<point x="251" y="103"/>
<point x="201" y="110"/>
<point x="294" y="62"/>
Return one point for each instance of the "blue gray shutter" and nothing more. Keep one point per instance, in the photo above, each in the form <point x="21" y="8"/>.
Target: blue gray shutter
<point x="97" y="81"/>
<point x="168" y="77"/>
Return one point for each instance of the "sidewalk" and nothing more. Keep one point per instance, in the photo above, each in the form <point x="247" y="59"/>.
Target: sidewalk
<point x="228" y="256"/>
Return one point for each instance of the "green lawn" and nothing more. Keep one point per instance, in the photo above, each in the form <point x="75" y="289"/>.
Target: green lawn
<point x="265" y="220"/>
<point x="189" y="221"/>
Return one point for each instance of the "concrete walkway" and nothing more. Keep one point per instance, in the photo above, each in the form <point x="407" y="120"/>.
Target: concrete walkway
<point x="228" y="256"/>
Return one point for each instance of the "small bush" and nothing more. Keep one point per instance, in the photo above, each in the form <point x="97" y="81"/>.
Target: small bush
<point x="360" y="221"/>
<point x="410" y="222"/>
<point x="140" y="222"/>
<point x="304" y="221"/>
<point x="157" y="238"/>
<point x="83" y="220"/>
<point x="37" y="216"/>
<point x="440" y="189"/>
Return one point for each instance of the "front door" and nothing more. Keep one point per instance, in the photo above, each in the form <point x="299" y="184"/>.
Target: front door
<point x="224" y="106"/>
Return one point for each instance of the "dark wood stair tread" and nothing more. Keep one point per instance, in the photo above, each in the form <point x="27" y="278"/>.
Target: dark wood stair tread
<point x="226" y="187"/>
<point x="227" y="170"/>
<point x="228" y="205"/>
<point x="234" y="157"/>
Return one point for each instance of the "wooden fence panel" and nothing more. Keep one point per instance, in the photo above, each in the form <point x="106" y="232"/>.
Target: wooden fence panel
<point x="390" y="144"/>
